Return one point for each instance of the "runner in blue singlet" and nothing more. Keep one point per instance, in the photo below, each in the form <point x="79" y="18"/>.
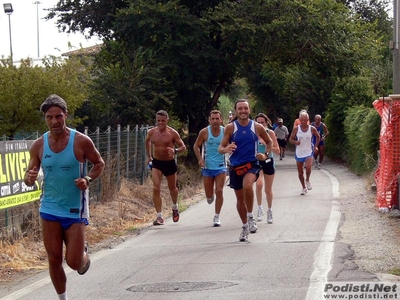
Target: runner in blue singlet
<point x="241" y="141"/>
<point x="212" y="162"/>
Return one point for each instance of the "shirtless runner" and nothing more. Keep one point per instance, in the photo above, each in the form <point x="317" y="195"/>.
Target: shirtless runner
<point x="164" y="138"/>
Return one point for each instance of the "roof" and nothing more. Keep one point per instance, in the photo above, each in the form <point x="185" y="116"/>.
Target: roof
<point x="88" y="51"/>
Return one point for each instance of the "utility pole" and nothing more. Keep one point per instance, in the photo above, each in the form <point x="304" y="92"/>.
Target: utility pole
<point x="37" y="25"/>
<point x="394" y="46"/>
<point x="8" y="9"/>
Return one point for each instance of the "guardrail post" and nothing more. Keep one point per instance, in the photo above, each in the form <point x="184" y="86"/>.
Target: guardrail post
<point x="128" y="132"/>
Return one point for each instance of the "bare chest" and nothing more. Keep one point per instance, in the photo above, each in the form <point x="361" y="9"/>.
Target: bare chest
<point x="162" y="139"/>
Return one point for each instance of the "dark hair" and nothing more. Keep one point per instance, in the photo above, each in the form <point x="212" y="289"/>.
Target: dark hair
<point x="267" y="120"/>
<point x="162" y="113"/>
<point x="216" y="111"/>
<point x="240" y="100"/>
<point x="53" y="100"/>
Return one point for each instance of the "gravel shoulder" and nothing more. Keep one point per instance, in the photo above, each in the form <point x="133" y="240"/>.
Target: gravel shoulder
<point x="367" y="241"/>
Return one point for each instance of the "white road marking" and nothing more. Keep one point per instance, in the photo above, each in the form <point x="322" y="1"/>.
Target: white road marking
<point x="323" y="256"/>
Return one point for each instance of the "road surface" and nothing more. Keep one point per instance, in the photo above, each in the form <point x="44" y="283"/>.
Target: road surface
<point x="191" y="259"/>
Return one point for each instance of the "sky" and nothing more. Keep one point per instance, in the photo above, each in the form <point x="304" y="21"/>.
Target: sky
<point x="24" y="32"/>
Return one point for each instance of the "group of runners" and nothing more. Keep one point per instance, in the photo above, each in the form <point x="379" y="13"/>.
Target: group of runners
<point x="249" y="147"/>
<point x="62" y="154"/>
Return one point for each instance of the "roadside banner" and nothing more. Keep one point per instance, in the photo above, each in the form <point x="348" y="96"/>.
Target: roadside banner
<point x="14" y="160"/>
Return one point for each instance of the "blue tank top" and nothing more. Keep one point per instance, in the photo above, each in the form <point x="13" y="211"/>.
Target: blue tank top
<point x="246" y="140"/>
<point x="320" y="128"/>
<point x="212" y="158"/>
<point x="262" y="148"/>
<point x="60" y="196"/>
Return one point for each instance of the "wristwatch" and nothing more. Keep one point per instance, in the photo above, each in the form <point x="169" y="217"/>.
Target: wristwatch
<point x="88" y="179"/>
<point x="176" y="150"/>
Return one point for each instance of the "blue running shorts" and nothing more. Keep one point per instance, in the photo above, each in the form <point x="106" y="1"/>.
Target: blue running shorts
<point x="65" y="222"/>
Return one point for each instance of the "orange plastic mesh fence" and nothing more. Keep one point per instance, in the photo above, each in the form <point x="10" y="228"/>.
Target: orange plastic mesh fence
<point x="389" y="143"/>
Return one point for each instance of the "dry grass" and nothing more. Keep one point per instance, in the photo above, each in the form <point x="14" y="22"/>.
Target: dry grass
<point x="111" y="221"/>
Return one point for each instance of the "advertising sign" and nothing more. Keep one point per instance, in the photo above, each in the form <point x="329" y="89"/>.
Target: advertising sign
<point x="14" y="159"/>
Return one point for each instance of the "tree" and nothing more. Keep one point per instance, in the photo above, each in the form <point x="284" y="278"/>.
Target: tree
<point x="125" y="87"/>
<point x="25" y="87"/>
<point x="334" y="43"/>
<point x="88" y="17"/>
<point x="190" y="52"/>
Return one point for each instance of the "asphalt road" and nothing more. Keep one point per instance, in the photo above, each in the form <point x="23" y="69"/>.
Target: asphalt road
<point x="191" y="259"/>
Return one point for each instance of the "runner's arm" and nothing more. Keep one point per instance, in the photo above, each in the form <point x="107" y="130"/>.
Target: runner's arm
<point x="197" y="146"/>
<point x="148" y="145"/>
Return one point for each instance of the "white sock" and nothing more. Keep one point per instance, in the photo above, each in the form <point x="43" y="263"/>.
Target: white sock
<point x="250" y="215"/>
<point x="217" y="215"/>
<point x="269" y="209"/>
<point x="174" y="206"/>
<point x="159" y="215"/>
<point x="245" y="225"/>
<point x="63" y="296"/>
<point x="260" y="207"/>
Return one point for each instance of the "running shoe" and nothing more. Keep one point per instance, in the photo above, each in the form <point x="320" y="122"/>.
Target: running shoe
<point x="270" y="219"/>
<point x="252" y="225"/>
<point x="303" y="191"/>
<point x="260" y="214"/>
<point x="86" y="267"/>
<point x="316" y="163"/>
<point x="244" y="235"/>
<point x="319" y="166"/>
<point x="216" y="221"/>
<point x="308" y="184"/>
<point x="210" y="200"/>
<point x="175" y="215"/>
<point x="159" y="221"/>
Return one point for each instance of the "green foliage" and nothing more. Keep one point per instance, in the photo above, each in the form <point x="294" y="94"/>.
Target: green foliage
<point x="225" y="105"/>
<point x="88" y="17"/>
<point x="24" y="88"/>
<point x="348" y="92"/>
<point x="362" y="127"/>
<point x="395" y="271"/>
<point x="328" y="42"/>
<point x="305" y="88"/>
<point x="237" y="90"/>
<point x="125" y="89"/>
<point x="265" y="87"/>
<point x="357" y="90"/>
<point x="352" y="125"/>
<point x="334" y="120"/>
<point x="326" y="55"/>
<point x="370" y="132"/>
